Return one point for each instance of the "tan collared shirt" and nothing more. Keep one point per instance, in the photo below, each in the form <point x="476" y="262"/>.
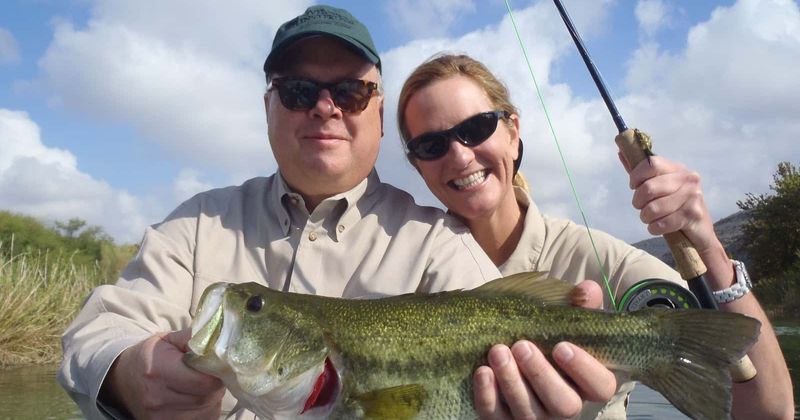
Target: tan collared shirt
<point x="563" y="249"/>
<point x="370" y="241"/>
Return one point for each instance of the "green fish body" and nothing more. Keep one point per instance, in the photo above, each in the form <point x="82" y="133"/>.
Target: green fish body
<point x="286" y="355"/>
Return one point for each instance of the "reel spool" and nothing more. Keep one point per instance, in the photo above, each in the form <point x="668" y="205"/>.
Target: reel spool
<point x="657" y="293"/>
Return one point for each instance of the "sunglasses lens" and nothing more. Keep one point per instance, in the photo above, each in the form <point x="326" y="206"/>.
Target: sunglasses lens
<point x="351" y="95"/>
<point x="431" y="146"/>
<point x="475" y="130"/>
<point x="302" y="95"/>
<point x="298" y="94"/>
<point x="470" y="132"/>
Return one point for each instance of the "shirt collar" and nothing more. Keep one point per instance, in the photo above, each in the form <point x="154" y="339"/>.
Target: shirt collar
<point x="363" y="193"/>
<point x="276" y="203"/>
<point x="347" y="201"/>
<point x="526" y="255"/>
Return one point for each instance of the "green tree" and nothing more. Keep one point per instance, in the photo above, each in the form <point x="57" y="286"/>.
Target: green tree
<point x="71" y="227"/>
<point x="81" y="244"/>
<point x="773" y="231"/>
<point x="24" y="234"/>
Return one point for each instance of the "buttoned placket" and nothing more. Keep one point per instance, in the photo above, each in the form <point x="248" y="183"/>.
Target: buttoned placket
<point x="310" y="233"/>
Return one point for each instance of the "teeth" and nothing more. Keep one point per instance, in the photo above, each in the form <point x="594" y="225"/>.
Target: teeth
<point x="473" y="179"/>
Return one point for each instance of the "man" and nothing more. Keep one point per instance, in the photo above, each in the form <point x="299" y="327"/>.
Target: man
<point x="323" y="224"/>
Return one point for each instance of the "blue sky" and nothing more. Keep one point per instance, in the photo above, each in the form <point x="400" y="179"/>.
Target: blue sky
<point x="115" y="112"/>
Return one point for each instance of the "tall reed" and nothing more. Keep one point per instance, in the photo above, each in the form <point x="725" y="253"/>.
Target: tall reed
<point x="39" y="295"/>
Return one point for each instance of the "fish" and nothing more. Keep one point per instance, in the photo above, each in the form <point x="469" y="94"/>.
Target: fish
<point x="289" y="355"/>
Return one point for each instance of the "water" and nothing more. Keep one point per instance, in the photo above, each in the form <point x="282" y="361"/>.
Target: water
<point x="789" y="337"/>
<point x="32" y="392"/>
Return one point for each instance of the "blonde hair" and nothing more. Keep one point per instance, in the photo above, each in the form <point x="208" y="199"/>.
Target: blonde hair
<point x="443" y="66"/>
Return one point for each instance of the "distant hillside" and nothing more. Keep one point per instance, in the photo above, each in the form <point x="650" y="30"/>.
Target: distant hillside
<point x="729" y="232"/>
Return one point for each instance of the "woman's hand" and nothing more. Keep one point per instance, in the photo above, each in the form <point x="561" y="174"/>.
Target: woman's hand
<point x="520" y="382"/>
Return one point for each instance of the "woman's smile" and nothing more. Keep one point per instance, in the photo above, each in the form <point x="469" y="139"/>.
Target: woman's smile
<point x="470" y="180"/>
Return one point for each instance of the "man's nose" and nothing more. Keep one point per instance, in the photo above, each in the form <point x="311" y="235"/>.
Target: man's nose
<point x="325" y="106"/>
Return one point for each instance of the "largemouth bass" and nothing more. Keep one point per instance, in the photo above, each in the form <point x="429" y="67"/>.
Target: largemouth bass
<point x="287" y="355"/>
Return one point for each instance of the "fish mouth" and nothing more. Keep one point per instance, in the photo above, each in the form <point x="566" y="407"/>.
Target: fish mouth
<point x="208" y="320"/>
<point x="213" y="329"/>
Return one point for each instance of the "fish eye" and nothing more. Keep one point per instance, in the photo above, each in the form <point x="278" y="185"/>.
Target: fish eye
<point x="254" y="303"/>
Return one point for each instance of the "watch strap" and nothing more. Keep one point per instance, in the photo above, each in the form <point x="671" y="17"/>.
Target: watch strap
<point x="738" y="289"/>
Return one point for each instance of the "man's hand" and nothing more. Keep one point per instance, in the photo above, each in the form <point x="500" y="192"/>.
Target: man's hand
<point x="151" y="381"/>
<point x="521" y="383"/>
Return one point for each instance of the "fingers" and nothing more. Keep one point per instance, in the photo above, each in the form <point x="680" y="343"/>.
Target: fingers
<point x="593" y="380"/>
<point x="587" y="294"/>
<point x="520" y="400"/>
<point x="680" y="210"/>
<point x="488" y="403"/>
<point x="669" y="197"/>
<point x="153" y="382"/>
<point x="168" y="367"/>
<point x="178" y="339"/>
<point x="656" y="166"/>
<point x="553" y="395"/>
<point x="522" y="383"/>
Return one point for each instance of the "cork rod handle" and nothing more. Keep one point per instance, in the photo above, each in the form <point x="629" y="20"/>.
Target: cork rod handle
<point x="635" y="147"/>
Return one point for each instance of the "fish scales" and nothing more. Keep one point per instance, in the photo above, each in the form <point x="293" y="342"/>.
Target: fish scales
<point x="452" y="338"/>
<point x="413" y="356"/>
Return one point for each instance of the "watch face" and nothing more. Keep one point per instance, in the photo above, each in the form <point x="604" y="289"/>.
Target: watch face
<point x="741" y="274"/>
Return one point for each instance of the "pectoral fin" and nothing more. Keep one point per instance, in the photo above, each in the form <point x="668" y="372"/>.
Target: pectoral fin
<point x="399" y="402"/>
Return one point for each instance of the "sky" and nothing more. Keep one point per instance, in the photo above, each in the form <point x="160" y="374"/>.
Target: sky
<point x="117" y="111"/>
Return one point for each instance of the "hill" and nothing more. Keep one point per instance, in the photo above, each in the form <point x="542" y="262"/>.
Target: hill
<point x="729" y="232"/>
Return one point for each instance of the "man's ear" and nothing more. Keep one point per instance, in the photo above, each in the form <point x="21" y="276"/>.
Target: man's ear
<point x="266" y="102"/>
<point x="381" y="112"/>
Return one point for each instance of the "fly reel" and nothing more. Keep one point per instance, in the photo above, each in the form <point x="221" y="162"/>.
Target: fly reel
<point x="657" y="293"/>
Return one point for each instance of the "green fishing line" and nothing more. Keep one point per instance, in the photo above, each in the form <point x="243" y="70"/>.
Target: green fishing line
<point x="563" y="158"/>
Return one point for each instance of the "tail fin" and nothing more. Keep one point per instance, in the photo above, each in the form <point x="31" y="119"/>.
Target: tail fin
<point x="695" y="378"/>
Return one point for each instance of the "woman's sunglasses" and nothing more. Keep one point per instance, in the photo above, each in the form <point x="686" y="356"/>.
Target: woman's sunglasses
<point x="470" y="132"/>
<point x="351" y="95"/>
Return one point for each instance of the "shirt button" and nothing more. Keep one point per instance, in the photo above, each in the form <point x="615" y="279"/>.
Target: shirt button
<point x="340" y="228"/>
<point x="312" y="236"/>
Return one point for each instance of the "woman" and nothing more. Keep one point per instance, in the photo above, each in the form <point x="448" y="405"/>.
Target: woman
<point x="462" y="135"/>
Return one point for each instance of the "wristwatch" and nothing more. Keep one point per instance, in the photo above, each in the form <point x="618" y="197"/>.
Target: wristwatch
<point x="738" y="289"/>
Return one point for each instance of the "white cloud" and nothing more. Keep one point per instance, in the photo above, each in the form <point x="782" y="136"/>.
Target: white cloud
<point x="182" y="74"/>
<point x="423" y="19"/>
<point x="651" y="15"/>
<point x="9" y="52"/>
<point x="727" y="103"/>
<point x="726" y="106"/>
<point x="45" y="182"/>
<point x="188" y="183"/>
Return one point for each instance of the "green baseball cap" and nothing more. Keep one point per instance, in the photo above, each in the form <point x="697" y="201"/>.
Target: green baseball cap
<point x="326" y="21"/>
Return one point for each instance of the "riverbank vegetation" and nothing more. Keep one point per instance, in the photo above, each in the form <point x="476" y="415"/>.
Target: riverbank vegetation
<point x="45" y="273"/>
<point x="773" y="242"/>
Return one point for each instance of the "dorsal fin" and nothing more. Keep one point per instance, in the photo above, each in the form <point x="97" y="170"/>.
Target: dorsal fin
<point x="534" y="284"/>
<point x="398" y="402"/>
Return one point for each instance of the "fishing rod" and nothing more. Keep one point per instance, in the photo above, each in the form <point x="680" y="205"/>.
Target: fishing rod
<point x="635" y="147"/>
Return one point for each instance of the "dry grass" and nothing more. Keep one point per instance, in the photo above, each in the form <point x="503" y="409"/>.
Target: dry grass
<point x="39" y="296"/>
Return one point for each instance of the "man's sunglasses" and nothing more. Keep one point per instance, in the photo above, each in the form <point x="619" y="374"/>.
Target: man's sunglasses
<point x="470" y="132"/>
<point x="351" y="95"/>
